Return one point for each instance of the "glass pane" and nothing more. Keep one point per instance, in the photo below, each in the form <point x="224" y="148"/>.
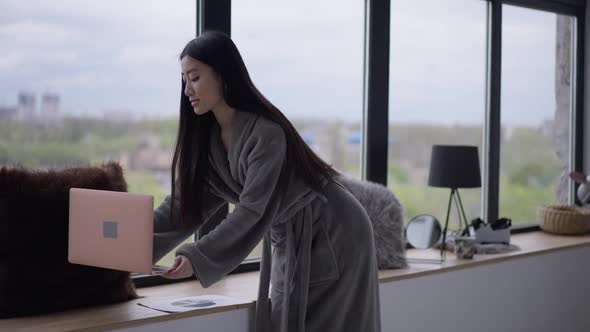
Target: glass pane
<point x="536" y="107"/>
<point x="306" y="57"/>
<point x="437" y="96"/>
<point x="85" y="82"/>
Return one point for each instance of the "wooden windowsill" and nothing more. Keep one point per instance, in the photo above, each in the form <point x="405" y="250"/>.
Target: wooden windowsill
<point x="245" y="285"/>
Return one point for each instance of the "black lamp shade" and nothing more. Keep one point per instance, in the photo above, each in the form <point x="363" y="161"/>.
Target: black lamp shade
<point x="454" y="166"/>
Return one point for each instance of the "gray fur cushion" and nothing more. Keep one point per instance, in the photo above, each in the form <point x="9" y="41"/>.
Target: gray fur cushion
<point x="386" y="214"/>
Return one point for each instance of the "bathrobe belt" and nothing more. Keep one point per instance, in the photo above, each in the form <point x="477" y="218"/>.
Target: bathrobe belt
<point x="294" y="305"/>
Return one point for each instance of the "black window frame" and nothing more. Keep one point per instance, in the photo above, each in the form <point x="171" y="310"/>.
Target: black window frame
<point x="574" y="8"/>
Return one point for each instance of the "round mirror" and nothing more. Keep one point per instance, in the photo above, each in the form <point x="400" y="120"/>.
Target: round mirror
<point x="423" y="231"/>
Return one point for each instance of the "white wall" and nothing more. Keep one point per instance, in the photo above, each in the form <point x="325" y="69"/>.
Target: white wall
<point x="548" y="292"/>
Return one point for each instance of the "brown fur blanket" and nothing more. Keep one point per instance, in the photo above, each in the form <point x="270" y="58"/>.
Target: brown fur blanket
<point x="35" y="276"/>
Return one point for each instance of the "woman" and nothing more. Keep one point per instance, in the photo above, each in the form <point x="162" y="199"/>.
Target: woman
<point x="234" y="146"/>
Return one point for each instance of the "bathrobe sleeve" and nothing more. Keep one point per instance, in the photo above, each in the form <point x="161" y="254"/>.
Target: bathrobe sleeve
<point x="225" y="247"/>
<point x="168" y="236"/>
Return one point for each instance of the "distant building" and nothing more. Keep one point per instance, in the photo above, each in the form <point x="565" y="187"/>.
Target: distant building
<point x="50" y="108"/>
<point x="319" y="139"/>
<point x="335" y="142"/>
<point x="26" y="106"/>
<point x="119" y="115"/>
<point x="307" y="137"/>
<point x="354" y="137"/>
<point x="149" y="156"/>
<point x="7" y="113"/>
<point x="25" y="109"/>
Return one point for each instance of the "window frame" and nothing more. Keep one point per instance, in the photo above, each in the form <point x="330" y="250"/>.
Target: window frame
<point x="574" y="8"/>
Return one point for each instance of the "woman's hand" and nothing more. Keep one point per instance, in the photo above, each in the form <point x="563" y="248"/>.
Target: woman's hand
<point x="182" y="268"/>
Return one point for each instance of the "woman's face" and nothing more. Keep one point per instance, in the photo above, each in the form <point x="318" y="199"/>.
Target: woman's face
<point x="203" y="85"/>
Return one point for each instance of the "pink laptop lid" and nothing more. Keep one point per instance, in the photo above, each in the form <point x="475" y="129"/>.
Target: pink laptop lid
<point x="111" y="229"/>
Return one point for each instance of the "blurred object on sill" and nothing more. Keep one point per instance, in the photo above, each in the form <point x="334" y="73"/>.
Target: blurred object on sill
<point x="564" y="219"/>
<point x="583" y="191"/>
<point x="497" y="232"/>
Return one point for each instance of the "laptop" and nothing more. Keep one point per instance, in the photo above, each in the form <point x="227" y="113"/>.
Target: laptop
<point x="113" y="230"/>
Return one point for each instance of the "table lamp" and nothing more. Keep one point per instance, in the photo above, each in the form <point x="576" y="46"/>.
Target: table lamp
<point x="454" y="167"/>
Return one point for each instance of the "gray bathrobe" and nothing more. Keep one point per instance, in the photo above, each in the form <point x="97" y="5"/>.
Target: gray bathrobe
<point x="324" y="268"/>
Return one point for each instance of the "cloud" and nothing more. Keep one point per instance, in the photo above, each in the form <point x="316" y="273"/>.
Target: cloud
<point x="38" y="34"/>
<point x="85" y="79"/>
<point x="95" y="53"/>
<point x="9" y="59"/>
<point x="143" y="55"/>
<point x="114" y="11"/>
<point x="306" y="56"/>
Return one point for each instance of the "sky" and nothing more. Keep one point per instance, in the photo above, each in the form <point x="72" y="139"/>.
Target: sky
<point x="305" y="56"/>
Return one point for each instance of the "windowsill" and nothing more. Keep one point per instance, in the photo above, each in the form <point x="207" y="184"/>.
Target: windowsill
<point x="530" y="243"/>
<point x="245" y="286"/>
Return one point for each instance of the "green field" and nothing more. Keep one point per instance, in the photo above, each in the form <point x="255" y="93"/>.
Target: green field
<point x="528" y="174"/>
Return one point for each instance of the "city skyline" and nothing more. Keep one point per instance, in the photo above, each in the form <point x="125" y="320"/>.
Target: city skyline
<point x="122" y="114"/>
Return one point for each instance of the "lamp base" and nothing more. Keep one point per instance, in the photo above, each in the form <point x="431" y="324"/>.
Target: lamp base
<point x="462" y="219"/>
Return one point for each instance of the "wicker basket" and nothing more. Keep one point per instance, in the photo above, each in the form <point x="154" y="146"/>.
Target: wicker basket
<point x="564" y="219"/>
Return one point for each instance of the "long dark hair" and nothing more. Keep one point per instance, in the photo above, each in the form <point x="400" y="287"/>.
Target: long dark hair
<point x="191" y="162"/>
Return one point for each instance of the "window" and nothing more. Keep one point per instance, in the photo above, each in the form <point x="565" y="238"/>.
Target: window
<point x="103" y="83"/>
<point x="437" y="96"/>
<point x="537" y="90"/>
<point x="88" y="82"/>
<point x="306" y="57"/>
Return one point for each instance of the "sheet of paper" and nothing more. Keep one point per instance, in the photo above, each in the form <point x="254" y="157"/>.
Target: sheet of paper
<point x="181" y="304"/>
